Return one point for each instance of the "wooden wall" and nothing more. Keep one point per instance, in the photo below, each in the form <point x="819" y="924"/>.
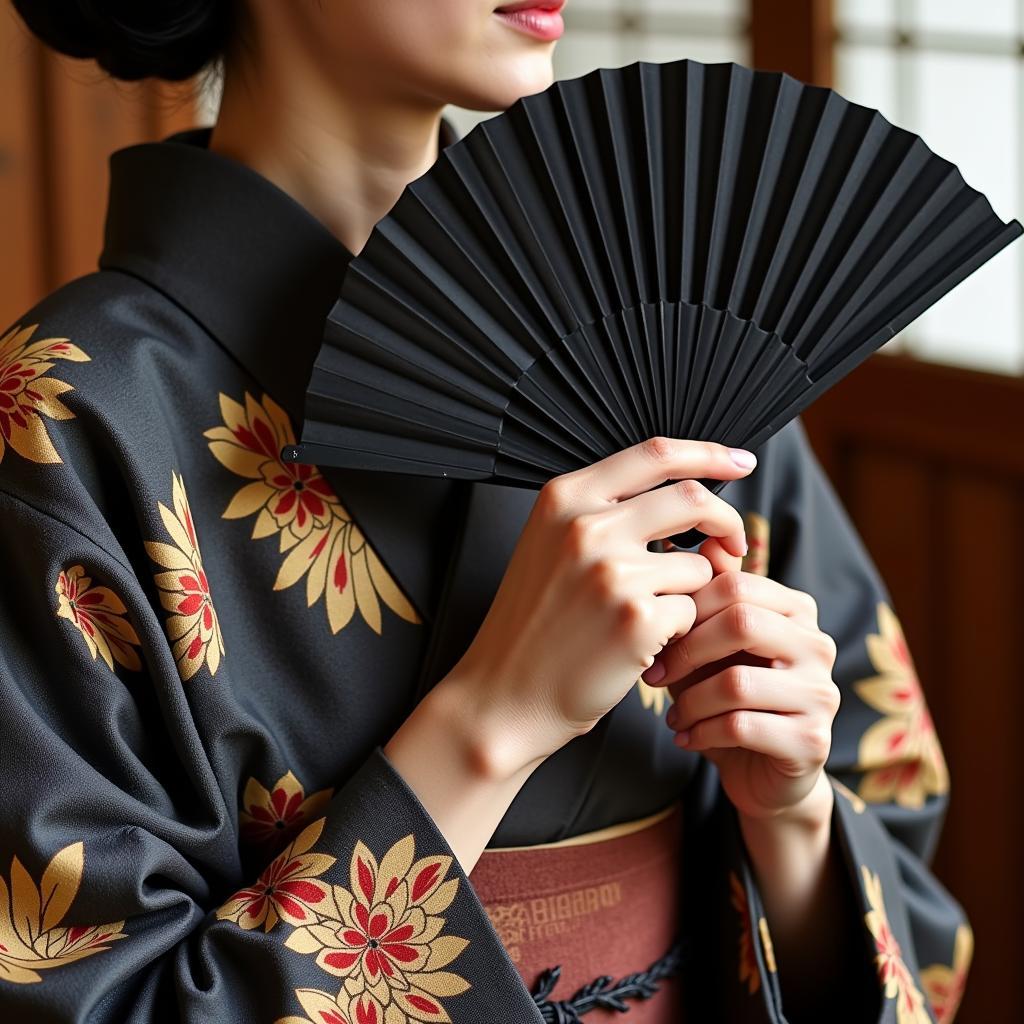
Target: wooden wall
<point x="59" y="121"/>
<point x="929" y="461"/>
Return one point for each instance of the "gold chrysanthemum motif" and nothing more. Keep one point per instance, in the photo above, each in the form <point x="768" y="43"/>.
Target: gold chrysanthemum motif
<point x="758" y="531"/>
<point x="192" y="626"/>
<point x="900" y="754"/>
<point x="382" y="937"/>
<point x="27" y="393"/>
<point x="99" y="615"/>
<point x="944" y="985"/>
<point x="892" y="970"/>
<point x="269" y="817"/>
<point x="295" y="502"/>
<point x="288" y="888"/>
<point x="747" y="961"/>
<point x="32" y="938"/>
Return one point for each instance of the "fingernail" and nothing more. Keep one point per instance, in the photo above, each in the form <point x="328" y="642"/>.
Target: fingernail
<point x="743" y="458"/>
<point x="654" y="673"/>
<point x="683" y="737"/>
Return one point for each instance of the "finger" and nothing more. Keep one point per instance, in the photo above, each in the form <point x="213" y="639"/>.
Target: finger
<point x="642" y="466"/>
<point x="676" y="508"/>
<point x="676" y="572"/>
<point x="791" y="739"/>
<point x="736" y="587"/>
<point x="746" y="627"/>
<point x="739" y="687"/>
<point x="720" y="559"/>
<point x="675" y="614"/>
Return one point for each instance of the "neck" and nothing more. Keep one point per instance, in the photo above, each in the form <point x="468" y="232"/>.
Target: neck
<point x="341" y="152"/>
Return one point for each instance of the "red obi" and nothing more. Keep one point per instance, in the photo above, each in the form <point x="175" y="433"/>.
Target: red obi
<point x="606" y="902"/>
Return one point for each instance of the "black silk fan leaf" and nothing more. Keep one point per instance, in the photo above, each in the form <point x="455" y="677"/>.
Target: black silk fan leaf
<point x="693" y="250"/>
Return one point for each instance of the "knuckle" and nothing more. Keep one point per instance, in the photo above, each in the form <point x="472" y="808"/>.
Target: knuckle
<point x="553" y="497"/>
<point x="737" y="682"/>
<point x="658" y="448"/>
<point x="632" y="613"/>
<point x="736" y="586"/>
<point x="819" y="742"/>
<point x="692" y="492"/>
<point x="737" y="726"/>
<point x="742" y="620"/>
<point x="828" y="647"/>
<point x="831" y="698"/>
<point x="605" y="577"/>
<point x="579" y="534"/>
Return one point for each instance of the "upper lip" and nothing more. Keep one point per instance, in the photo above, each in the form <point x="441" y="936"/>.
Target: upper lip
<point x="526" y="5"/>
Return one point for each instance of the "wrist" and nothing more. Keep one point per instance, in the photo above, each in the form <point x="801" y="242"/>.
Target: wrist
<point x="492" y="743"/>
<point x="811" y="814"/>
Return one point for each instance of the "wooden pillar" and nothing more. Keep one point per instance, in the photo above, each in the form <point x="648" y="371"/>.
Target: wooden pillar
<point x="795" y="36"/>
<point x="60" y="119"/>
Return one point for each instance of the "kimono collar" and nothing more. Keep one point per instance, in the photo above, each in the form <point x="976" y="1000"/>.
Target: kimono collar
<point x="251" y="264"/>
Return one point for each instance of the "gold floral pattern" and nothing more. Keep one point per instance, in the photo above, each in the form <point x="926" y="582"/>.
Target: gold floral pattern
<point x="381" y="935"/>
<point x="27" y="394"/>
<point x="748" y="969"/>
<point x="944" y="986"/>
<point x="288" y="888"/>
<point x="274" y="815"/>
<point x="99" y="615"/>
<point x="653" y="697"/>
<point x="894" y="973"/>
<point x="900" y="754"/>
<point x="757" y="529"/>
<point x="296" y="503"/>
<point x="323" y="1008"/>
<point x="856" y="803"/>
<point x="31" y="935"/>
<point x="192" y="626"/>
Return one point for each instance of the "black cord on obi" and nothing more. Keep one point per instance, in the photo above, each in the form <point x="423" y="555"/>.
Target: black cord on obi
<point x="602" y="991"/>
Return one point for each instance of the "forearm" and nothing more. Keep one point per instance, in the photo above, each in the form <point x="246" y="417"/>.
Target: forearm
<point x="457" y="763"/>
<point x="812" y="917"/>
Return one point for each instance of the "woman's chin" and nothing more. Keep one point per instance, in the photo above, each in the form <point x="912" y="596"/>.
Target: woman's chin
<point x="504" y="83"/>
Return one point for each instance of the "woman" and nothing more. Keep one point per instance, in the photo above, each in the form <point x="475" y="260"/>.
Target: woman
<point x="289" y="744"/>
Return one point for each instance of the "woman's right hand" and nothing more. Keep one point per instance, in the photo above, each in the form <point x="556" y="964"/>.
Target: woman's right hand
<point x="584" y="606"/>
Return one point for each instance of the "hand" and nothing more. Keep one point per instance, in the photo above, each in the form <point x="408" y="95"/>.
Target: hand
<point x="753" y="690"/>
<point x="584" y="605"/>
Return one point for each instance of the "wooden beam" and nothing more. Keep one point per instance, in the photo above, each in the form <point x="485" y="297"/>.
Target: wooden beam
<point x="795" y="36"/>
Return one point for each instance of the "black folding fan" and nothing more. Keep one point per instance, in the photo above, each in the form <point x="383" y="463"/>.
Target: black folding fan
<point x="683" y="249"/>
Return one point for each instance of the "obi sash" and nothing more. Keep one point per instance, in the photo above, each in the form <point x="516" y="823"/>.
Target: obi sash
<point x="606" y="903"/>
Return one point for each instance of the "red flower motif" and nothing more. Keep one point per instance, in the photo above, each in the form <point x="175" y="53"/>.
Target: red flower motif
<point x="295" y="502"/>
<point x="275" y="815"/>
<point x="26" y="391"/>
<point x="286" y="889"/>
<point x="100" y="616"/>
<point x="381" y="947"/>
<point x="900" y="754"/>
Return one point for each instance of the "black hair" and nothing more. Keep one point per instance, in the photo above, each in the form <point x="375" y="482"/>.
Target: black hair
<point x="133" y="39"/>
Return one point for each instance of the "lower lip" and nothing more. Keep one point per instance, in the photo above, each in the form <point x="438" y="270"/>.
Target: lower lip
<point x="539" y="22"/>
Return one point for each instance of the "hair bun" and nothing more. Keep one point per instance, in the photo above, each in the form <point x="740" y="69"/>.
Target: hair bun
<point x="133" y="39"/>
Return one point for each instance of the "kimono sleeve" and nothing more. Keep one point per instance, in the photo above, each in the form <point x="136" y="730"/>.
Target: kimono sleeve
<point x="121" y="892"/>
<point x="886" y="766"/>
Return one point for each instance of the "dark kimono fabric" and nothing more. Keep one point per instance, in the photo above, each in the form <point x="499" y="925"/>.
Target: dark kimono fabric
<point x="204" y="650"/>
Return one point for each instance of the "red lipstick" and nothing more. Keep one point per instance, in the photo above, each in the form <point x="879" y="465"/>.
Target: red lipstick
<point x="538" y="18"/>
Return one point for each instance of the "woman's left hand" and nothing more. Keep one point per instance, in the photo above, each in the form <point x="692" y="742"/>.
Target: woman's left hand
<point x="753" y="690"/>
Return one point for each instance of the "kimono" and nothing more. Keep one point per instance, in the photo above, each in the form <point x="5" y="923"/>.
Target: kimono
<point x="204" y="651"/>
